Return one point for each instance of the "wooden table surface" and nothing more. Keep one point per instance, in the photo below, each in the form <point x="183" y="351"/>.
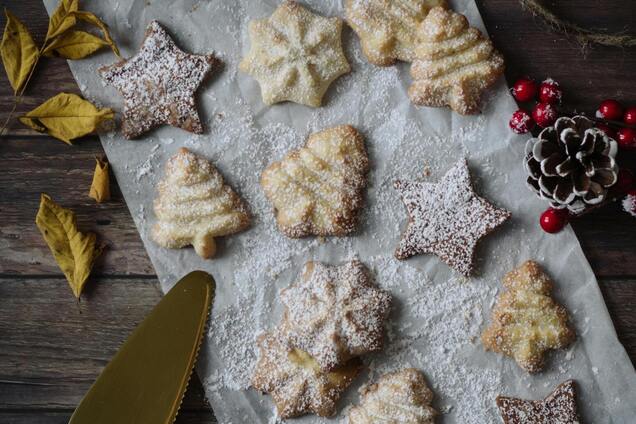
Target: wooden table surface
<point x="50" y="353"/>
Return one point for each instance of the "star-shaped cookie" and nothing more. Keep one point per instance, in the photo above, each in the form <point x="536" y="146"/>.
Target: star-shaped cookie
<point x="446" y="218"/>
<point x="295" y="381"/>
<point x="295" y="55"/>
<point x="158" y="84"/>
<point x="558" y="408"/>
<point x="335" y="313"/>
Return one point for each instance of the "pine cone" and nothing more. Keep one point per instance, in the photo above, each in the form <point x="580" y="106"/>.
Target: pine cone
<point x="571" y="164"/>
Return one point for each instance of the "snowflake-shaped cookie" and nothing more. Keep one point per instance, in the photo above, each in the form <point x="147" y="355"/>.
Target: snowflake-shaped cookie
<point x="335" y="313"/>
<point x="295" y="55"/>
<point x="447" y="218"/>
<point x="388" y="28"/>
<point x="295" y="381"/>
<point x="158" y="84"/>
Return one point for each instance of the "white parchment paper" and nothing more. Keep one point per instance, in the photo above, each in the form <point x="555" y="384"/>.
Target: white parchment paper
<point x="437" y="316"/>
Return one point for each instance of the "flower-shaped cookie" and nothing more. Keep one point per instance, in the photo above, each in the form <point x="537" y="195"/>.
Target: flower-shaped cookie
<point x="400" y="397"/>
<point x="295" y="381"/>
<point x="388" y="28"/>
<point x="335" y="313"/>
<point x="295" y="55"/>
<point x="526" y="322"/>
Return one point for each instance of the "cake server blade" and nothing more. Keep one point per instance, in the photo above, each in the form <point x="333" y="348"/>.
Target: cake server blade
<point x="145" y="381"/>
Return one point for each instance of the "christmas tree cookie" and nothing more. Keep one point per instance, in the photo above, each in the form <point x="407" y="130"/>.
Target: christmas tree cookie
<point x="526" y="321"/>
<point x="388" y="28"/>
<point x="194" y="206"/>
<point x="455" y="63"/>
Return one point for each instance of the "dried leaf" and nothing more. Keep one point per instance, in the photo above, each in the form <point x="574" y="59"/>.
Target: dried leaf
<point x="74" y="252"/>
<point x="75" y="45"/>
<point x="94" y="20"/>
<point x="66" y="117"/>
<point x="63" y="18"/>
<point x="100" y="188"/>
<point x="19" y="52"/>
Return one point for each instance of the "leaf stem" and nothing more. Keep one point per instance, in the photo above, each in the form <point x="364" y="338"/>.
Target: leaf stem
<point x="18" y="96"/>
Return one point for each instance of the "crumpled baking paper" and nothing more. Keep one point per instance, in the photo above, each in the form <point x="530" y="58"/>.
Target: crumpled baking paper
<point x="437" y="316"/>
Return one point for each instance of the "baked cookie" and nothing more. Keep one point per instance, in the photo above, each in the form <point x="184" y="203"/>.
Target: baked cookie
<point x="295" y="55"/>
<point x="400" y="397"/>
<point x="334" y="313"/>
<point x="447" y="219"/>
<point x="317" y="190"/>
<point x="295" y="381"/>
<point x="158" y="84"/>
<point x="388" y="28"/>
<point x="455" y="63"/>
<point x="194" y="206"/>
<point x="558" y="408"/>
<point x="526" y="321"/>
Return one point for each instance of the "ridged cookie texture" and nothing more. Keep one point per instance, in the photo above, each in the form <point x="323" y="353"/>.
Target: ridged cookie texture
<point x="158" y="84"/>
<point x="388" y="28"/>
<point x="455" y="63"/>
<point x="526" y="321"/>
<point x="295" y="55"/>
<point x="295" y="381"/>
<point x="400" y="397"/>
<point x="335" y="313"/>
<point x="194" y="205"/>
<point x="318" y="189"/>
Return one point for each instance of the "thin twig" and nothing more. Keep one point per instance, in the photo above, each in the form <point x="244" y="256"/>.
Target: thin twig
<point x="583" y="35"/>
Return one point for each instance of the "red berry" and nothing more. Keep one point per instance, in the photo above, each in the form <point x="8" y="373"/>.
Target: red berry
<point x="550" y="92"/>
<point x="521" y="122"/>
<point x="607" y="130"/>
<point x="553" y="220"/>
<point x="626" y="138"/>
<point x="610" y="109"/>
<point x="630" y="115"/>
<point x="625" y="181"/>
<point x="524" y="90"/>
<point x="544" y="114"/>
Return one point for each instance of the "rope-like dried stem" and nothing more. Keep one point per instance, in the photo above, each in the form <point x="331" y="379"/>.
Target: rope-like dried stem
<point x="583" y="35"/>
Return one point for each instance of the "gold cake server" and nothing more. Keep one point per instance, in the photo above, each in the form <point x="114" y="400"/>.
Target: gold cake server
<point x="145" y="381"/>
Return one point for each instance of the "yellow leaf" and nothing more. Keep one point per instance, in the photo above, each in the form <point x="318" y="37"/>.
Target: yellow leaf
<point x="19" y="52"/>
<point x="94" y="20"/>
<point x="63" y="18"/>
<point x="66" y="117"/>
<point x="74" y="252"/>
<point x="75" y="45"/>
<point x="100" y="188"/>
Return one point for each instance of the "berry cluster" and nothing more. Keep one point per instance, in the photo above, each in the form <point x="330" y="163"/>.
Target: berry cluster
<point x="613" y="114"/>
<point x="554" y="220"/>
<point x="544" y="112"/>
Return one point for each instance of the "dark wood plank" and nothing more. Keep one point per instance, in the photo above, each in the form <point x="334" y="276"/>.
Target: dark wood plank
<point x="62" y="417"/>
<point x="587" y="75"/>
<point x="52" y="349"/>
<point x="34" y="165"/>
